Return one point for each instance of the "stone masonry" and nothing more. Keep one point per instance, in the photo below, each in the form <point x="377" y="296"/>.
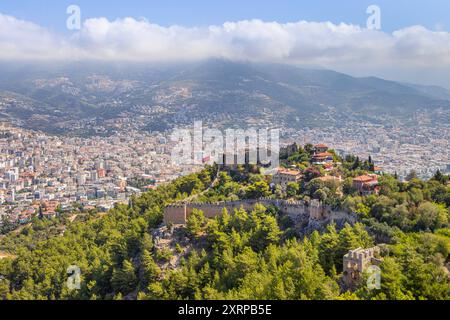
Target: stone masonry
<point x="313" y="212"/>
<point x="357" y="261"/>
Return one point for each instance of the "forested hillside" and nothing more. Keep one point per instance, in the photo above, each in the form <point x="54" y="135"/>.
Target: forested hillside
<point x="240" y="255"/>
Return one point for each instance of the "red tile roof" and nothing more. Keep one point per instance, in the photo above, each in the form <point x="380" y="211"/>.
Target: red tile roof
<point x="366" y="178"/>
<point x="323" y="155"/>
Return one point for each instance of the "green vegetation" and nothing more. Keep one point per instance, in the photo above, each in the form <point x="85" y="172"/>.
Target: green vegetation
<point x="241" y="255"/>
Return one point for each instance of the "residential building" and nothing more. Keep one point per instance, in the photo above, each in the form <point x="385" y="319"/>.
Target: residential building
<point x="285" y="176"/>
<point x="366" y="184"/>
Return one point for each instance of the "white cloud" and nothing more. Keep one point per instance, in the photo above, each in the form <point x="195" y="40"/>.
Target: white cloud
<point x="324" y="44"/>
<point x="21" y="40"/>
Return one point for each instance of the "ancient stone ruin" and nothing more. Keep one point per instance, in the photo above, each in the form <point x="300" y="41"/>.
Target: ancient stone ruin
<point x="313" y="214"/>
<point x="358" y="261"/>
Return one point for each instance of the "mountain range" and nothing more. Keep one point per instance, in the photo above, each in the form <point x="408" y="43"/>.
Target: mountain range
<point x="58" y="98"/>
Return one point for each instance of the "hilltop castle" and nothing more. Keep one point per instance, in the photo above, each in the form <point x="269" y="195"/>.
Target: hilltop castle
<point x="312" y="214"/>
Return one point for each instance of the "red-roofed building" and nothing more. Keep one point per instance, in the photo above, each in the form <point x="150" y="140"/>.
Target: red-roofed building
<point x="322" y="158"/>
<point x="320" y="148"/>
<point x="49" y="209"/>
<point x="366" y="184"/>
<point x="378" y="170"/>
<point x="49" y="214"/>
<point x="321" y="155"/>
<point x="101" y="173"/>
<point x="26" y="215"/>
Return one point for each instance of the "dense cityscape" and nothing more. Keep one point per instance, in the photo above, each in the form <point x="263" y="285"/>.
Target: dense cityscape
<point x="47" y="174"/>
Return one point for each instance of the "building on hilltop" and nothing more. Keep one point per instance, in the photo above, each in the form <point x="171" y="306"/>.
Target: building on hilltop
<point x="285" y="176"/>
<point x="366" y="184"/>
<point x="378" y="170"/>
<point x="320" y="148"/>
<point x="321" y="155"/>
<point x="322" y="158"/>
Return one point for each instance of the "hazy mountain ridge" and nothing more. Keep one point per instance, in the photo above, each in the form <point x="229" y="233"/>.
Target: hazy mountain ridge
<point x="215" y="90"/>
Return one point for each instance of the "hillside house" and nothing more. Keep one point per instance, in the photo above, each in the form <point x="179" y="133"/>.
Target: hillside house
<point x="322" y="158"/>
<point x="320" y="148"/>
<point x="366" y="184"/>
<point x="284" y="176"/>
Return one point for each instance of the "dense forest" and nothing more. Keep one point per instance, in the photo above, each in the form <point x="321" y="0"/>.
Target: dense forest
<point x="255" y="254"/>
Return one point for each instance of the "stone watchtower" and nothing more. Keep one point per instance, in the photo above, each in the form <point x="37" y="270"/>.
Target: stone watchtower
<point x="316" y="210"/>
<point x="357" y="261"/>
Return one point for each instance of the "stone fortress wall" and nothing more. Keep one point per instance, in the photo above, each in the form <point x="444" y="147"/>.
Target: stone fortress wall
<point x="311" y="214"/>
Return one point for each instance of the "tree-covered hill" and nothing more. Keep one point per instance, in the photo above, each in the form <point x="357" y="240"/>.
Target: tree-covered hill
<point x="240" y="255"/>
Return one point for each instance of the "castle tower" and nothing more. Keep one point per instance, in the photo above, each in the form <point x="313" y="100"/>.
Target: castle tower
<point x="356" y="262"/>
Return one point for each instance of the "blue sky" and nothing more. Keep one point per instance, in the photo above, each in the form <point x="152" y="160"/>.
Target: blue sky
<point x="396" y="14"/>
<point x="413" y="44"/>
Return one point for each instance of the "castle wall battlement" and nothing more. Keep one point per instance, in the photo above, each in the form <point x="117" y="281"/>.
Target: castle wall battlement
<point x="314" y="210"/>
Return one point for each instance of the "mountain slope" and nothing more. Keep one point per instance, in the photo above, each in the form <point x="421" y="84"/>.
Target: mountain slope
<point x="218" y="91"/>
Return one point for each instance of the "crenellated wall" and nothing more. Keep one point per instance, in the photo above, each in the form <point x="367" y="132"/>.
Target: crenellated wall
<point x="296" y="210"/>
<point x="175" y="214"/>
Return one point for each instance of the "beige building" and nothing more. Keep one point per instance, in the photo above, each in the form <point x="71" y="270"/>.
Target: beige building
<point x="284" y="176"/>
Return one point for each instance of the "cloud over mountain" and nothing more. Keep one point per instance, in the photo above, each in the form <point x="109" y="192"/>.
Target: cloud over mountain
<point x="309" y="43"/>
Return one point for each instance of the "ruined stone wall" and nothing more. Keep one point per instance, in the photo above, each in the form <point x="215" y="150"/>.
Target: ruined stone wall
<point x="315" y="213"/>
<point x="294" y="209"/>
<point x="209" y="210"/>
<point x="175" y="214"/>
<point x="340" y="217"/>
<point x="356" y="262"/>
<point x="212" y="210"/>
